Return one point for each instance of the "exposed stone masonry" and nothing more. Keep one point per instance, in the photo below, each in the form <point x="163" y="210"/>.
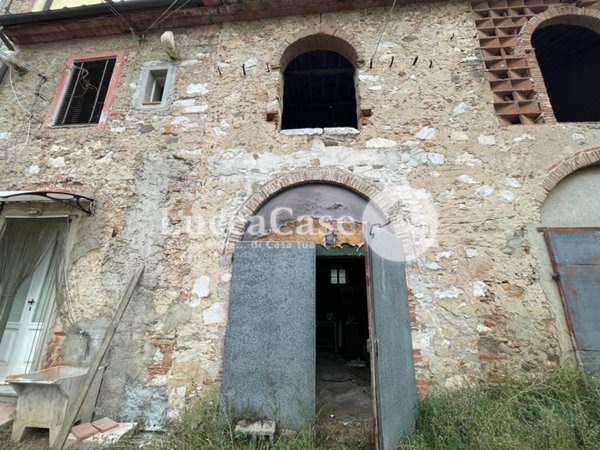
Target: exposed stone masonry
<point x="174" y="190"/>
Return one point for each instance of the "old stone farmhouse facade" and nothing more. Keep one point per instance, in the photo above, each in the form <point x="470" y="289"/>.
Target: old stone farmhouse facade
<point x="470" y="107"/>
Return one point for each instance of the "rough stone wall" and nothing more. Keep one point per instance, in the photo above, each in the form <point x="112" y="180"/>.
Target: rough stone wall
<point x="169" y="185"/>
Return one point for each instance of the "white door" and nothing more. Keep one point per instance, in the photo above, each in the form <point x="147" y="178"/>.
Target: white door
<point x="26" y="321"/>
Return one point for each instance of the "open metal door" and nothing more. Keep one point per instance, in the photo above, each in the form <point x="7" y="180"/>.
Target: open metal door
<point x="392" y="365"/>
<point x="269" y="367"/>
<point x="575" y="255"/>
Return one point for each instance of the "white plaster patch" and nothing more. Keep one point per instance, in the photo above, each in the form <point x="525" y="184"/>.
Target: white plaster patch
<point x="381" y="143"/>
<point x="467" y="179"/>
<point x="57" y="162"/>
<point x="377" y="87"/>
<point x="524" y="137"/>
<point x="426" y="133"/>
<point x="106" y="159"/>
<point x="461" y="108"/>
<point x="471" y="252"/>
<point x="189" y="62"/>
<point x="484" y="191"/>
<point x="486" y="139"/>
<point x="578" y="137"/>
<point x="481" y="328"/>
<point x="444" y="255"/>
<point x="202" y="286"/>
<point x="34" y="169"/>
<point x="479" y="289"/>
<point x="302" y="132"/>
<point x="195" y="109"/>
<point x="250" y="62"/>
<point x="506" y="195"/>
<point x="117" y="129"/>
<point x="214" y="314"/>
<point x="433" y="266"/>
<point x="340" y="131"/>
<point x="467" y="159"/>
<point x="452" y="292"/>
<point x="410" y="143"/>
<point x="365" y="77"/>
<point x="185" y="102"/>
<point x="226" y="277"/>
<point x="180" y="120"/>
<point x="218" y="132"/>
<point x="435" y="174"/>
<point x="197" y="89"/>
<point x="436" y="158"/>
<point x="512" y="182"/>
<point x="4" y="135"/>
<point x="459" y="136"/>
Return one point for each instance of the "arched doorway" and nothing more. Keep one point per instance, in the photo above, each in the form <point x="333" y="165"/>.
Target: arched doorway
<point x="571" y="227"/>
<point x="310" y="306"/>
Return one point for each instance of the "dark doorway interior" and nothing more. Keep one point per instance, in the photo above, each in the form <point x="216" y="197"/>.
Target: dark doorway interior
<point x="319" y="92"/>
<point x="343" y="372"/>
<point x="569" y="57"/>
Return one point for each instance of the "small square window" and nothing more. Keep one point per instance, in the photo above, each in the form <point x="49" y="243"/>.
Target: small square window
<point x="155" y="87"/>
<point x="337" y="276"/>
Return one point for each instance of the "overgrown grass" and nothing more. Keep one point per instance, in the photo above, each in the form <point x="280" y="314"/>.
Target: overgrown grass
<point x="556" y="410"/>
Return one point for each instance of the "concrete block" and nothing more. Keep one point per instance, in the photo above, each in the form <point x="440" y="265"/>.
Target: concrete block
<point x="261" y="428"/>
<point x="84" y="431"/>
<point x="110" y="437"/>
<point x="105" y="424"/>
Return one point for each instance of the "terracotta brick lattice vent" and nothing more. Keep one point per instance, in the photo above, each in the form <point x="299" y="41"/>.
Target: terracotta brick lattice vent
<point x="508" y="70"/>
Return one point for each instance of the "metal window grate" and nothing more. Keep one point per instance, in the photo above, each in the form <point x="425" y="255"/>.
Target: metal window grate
<point x="84" y="98"/>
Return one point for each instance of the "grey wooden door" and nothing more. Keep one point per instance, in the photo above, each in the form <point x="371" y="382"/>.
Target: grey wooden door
<point x="391" y="349"/>
<point x="576" y="260"/>
<point x="269" y="367"/>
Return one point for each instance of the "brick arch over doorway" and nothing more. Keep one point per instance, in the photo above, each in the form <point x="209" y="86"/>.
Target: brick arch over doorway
<point x="565" y="15"/>
<point x="322" y="37"/>
<point x="278" y="184"/>
<point x="564" y="168"/>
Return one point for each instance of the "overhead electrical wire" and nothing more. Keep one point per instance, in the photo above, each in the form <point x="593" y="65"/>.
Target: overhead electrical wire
<point x="164" y="16"/>
<point x="114" y="10"/>
<point x="385" y="23"/>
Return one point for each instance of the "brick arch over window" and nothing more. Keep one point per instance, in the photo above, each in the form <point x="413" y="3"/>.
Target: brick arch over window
<point x="563" y="15"/>
<point x="323" y="37"/>
<point x="304" y="176"/>
<point x="565" y="168"/>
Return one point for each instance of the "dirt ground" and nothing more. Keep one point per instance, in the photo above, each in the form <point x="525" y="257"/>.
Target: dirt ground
<point x="344" y="402"/>
<point x="35" y="440"/>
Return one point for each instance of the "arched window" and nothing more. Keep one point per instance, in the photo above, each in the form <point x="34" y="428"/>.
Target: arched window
<point x="569" y="58"/>
<point x="319" y="84"/>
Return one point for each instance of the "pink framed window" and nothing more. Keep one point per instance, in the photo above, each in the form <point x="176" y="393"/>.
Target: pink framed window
<point x="86" y="91"/>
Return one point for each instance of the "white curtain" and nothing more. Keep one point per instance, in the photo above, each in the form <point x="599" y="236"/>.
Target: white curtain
<point x="23" y="245"/>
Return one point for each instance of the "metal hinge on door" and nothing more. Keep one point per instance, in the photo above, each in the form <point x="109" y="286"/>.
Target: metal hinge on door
<point x="373" y="346"/>
<point x="31" y="303"/>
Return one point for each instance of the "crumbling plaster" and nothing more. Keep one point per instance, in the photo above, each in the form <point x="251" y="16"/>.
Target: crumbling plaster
<point x="160" y="176"/>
